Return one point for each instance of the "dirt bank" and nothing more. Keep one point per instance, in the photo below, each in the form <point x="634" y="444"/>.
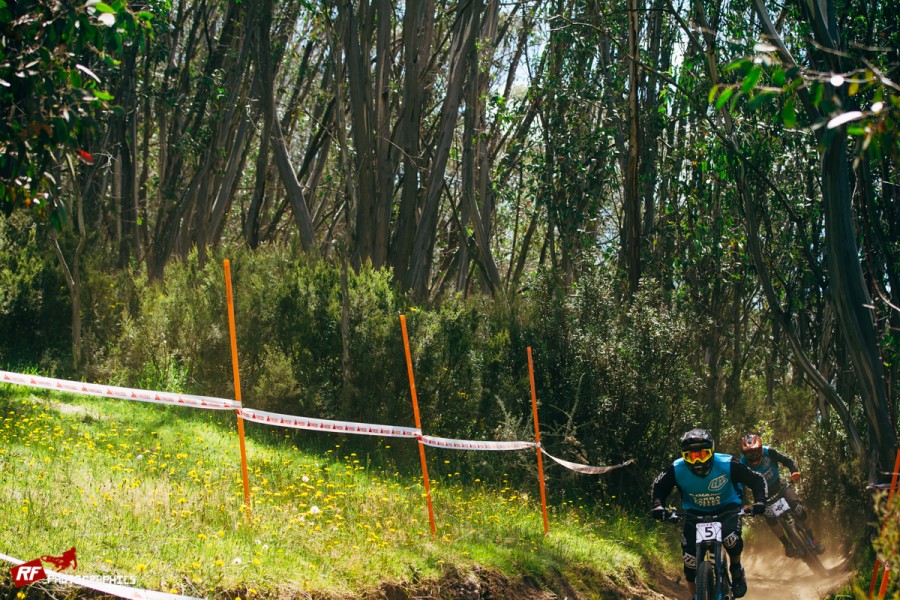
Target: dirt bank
<point x="484" y="584"/>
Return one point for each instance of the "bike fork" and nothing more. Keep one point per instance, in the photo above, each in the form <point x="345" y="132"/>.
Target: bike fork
<point x="722" y="584"/>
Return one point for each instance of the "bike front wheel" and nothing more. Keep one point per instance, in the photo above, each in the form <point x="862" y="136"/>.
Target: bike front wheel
<point x="800" y="540"/>
<point x="706" y="581"/>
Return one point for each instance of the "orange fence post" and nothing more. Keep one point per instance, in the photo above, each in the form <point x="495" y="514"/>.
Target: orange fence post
<point x="886" y="576"/>
<point x="875" y="569"/>
<point x="237" y="387"/>
<point x="537" y="441"/>
<point x="415" y="403"/>
<point x="884" y="582"/>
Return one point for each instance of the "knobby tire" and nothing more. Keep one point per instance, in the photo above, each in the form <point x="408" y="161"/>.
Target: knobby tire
<point x="800" y="541"/>
<point x="706" y="581"/>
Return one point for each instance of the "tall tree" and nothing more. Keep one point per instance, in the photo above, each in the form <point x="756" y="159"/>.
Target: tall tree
<point x="852" y="301"/>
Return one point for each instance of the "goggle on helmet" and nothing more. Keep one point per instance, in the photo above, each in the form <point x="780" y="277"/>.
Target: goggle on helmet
<point x="697" y="449"/>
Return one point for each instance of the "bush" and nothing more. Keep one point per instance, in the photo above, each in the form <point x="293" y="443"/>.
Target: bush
<point x="35" y="319"/>
<point x="614" y="379"/>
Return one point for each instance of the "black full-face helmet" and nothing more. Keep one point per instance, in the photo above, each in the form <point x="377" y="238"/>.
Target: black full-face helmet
<point x="697" y="448"/>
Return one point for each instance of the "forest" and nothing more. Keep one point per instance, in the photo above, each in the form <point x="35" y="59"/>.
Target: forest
<point x="690" y="211"/>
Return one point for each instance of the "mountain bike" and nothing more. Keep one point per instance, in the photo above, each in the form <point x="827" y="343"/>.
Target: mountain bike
<point x="713" y="579"/>
<point x="801" y="541"/>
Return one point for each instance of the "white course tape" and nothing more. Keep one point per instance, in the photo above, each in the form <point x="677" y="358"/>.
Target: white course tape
<point x="267" y="418"/>
<point x="586" y="469"/>
<point x="110" y="391"/>
<point x="279" y="420"/>
<point x="122" y="591"/>
<point x="439" y="442"/>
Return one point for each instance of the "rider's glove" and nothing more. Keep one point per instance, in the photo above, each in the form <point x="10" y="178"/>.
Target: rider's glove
<point x="795" y="476"/>
<point x="659" y="513"/>
<point x="759" y="508"/>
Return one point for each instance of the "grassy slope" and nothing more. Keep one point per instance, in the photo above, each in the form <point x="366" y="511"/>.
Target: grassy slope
<point x="155" y="492"/>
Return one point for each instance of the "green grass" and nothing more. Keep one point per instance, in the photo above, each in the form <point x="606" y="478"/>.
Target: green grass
<point x="155" y="492"/>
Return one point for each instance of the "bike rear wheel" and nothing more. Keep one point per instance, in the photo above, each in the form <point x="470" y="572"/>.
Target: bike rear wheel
<point x="706" y="581"/>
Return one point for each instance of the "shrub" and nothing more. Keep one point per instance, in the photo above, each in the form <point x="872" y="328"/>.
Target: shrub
<point x="615" y="379"/>
<point x="35" y="319"/>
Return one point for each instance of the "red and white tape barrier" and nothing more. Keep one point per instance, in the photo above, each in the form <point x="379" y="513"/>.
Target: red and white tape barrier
<point x="111" y="391"/>
<point x="586" y="469"/>
<point x="279" y="420"/>
<point x="113" y="589"/>
<point x="439" y="442"/>
<point x="267" y="418"/>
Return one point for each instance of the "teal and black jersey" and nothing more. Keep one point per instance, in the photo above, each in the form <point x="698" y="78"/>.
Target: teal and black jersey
<point x="768" y="466"/>
<point x="707" y="494"/>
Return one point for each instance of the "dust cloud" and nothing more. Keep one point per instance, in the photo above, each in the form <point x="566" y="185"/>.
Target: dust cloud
<point x="771" y="575"/>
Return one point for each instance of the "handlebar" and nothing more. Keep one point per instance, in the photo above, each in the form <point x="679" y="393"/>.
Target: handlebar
<point x="674" y="516"/>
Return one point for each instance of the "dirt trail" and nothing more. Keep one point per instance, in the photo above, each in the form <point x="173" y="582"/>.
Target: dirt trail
<point x="771" y="575"/>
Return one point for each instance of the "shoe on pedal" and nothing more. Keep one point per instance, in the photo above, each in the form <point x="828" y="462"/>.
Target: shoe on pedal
<point x="792" y="552"/>
<point x="738" y="581"/>
<point x="819" y="546"/>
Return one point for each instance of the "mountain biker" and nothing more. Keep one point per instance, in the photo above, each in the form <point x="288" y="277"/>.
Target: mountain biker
<point x="765" y="460"/>
<point x="708" y="483"/>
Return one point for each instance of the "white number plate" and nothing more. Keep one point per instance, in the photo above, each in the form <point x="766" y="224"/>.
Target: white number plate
<point x="778" y="508"/>
<point x="709" y="532"/>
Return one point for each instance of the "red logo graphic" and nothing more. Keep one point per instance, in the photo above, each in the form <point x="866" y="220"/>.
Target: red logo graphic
<point x="63" y="562"/>
<point x="28" y="572"/>
<point x="33" y="570"/>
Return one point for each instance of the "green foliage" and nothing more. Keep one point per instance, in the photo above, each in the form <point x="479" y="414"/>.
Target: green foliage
<point x="833" y="478"/>
<point x="615" y="380"/>
<point x="288" y="313"/>
<point x="592" y="360"/>
<point x="33" y="298"/>
<point x="887" y="544"/>
<point x="862" y="100"/>
<point x="175" y="337"/>
<point x="50" y="54"/>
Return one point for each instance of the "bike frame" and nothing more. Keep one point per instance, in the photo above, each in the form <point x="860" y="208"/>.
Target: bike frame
<point x="713" y="549"/>
<point x="796" y="534"/>
<point x="710" y="548"/>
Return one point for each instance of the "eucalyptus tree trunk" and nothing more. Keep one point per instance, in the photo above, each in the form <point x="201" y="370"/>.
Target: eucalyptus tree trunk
<point x="125" y="154"/>
<point x="418" y="34"/>
<point x="852" y="302"/>
<point x="754" y="245"/>
<point x="631" y="210"/>
<point x="370" y="108"/>
<point x="464" y="35"/>
<point x="72" y="273"/>
<point x="475" y="155"/>
<point x="265" y="210"/>
<point x="294" y="190"/>
<point x="183" y="122"/>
